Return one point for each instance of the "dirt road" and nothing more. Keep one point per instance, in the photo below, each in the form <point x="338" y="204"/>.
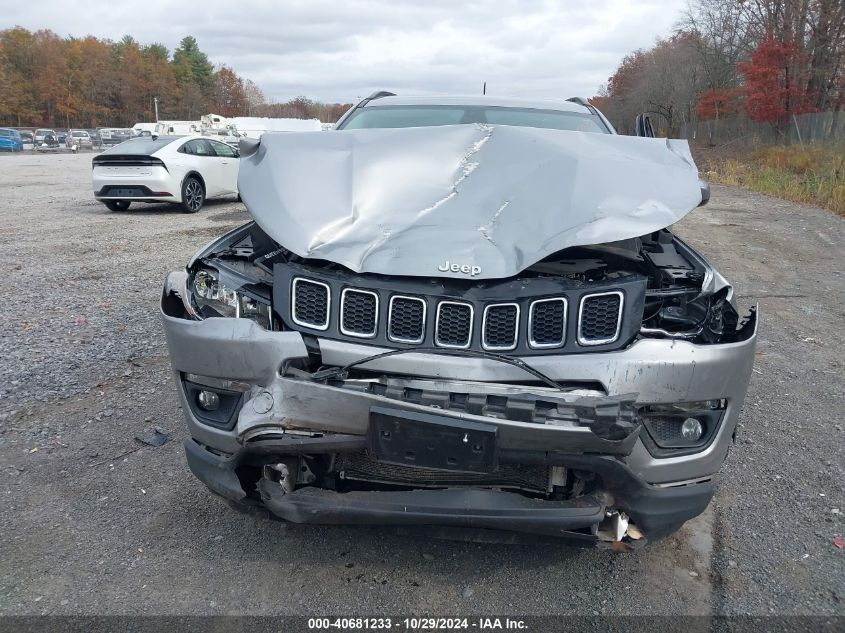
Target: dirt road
<point x="94" y="523"/>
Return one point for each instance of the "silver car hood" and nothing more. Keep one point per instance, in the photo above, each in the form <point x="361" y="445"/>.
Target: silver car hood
<point x="462" y="200"/>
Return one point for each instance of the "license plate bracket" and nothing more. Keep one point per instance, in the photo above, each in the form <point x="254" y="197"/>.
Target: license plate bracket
<point x="126" y="192"/>
<point x="437" y="442"/>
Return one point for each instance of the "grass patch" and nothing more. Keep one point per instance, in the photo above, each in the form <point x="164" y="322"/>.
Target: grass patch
<point x="815" y="175"/>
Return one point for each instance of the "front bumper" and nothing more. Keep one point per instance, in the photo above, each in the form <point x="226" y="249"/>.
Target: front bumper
<point x="658" y="493"/>
<point x="659" y="371"/>
<point x="657" y="511"/>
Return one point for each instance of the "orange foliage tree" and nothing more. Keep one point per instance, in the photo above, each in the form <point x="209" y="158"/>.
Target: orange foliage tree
<point x="776" y="82"/>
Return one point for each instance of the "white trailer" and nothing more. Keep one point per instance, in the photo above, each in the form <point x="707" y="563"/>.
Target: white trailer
<point x="253" y="127"/>
<point x="177" y="128"/>
<point x="143" y="129"/>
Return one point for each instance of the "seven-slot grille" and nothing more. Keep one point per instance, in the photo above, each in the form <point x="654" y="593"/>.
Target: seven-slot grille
<point x="600" y="318"/>
<point x="502" y="326"/>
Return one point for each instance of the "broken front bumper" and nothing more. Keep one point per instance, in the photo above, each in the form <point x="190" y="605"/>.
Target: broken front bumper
<point x="659" y="371"/>
<point x="279" y="414"/>
<point x="655" y="510"/>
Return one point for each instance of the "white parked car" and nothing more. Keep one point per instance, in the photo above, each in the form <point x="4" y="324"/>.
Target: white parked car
<point x="80" y="139"/>
<point x="165" y="169"/>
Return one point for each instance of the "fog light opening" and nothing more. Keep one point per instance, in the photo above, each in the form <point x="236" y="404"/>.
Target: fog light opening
<point x="691" y="430"/>
<point x="208" y="400"/>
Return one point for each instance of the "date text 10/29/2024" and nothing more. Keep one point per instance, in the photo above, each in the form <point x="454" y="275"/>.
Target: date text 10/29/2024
<point x="417" y="624"/>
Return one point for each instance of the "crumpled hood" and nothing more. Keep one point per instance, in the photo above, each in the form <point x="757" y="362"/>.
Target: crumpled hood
<point x="462" y="200"/>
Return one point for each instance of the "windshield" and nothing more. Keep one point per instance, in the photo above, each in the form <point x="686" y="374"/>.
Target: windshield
<point x="7" y="132"/>
<point x="429" y="115"/>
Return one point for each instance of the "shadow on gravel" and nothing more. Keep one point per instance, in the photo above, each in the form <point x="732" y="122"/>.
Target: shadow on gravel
<point x="238" y="215"/>
<point x="155" y="208"/>
<point x="259" y="537"/>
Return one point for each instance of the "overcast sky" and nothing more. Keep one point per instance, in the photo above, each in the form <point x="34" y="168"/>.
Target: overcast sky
<point x="340" y="50"/>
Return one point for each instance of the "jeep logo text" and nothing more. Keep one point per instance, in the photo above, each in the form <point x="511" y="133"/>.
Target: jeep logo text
<point x="466" y="269"/>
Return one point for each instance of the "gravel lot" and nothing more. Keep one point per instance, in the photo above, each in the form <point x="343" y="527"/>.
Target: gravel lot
<point x="93" y="523"/>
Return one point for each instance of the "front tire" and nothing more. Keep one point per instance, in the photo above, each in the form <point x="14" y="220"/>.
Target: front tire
<point x="193" y="195"/>
<point x="117" y="205"/>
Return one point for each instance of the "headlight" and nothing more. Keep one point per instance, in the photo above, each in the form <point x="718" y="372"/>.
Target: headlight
<point x="704" y="319"/>
<point x="214" y="297"/>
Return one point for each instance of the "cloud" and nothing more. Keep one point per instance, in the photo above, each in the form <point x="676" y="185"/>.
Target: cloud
<point x="337" y="51"/>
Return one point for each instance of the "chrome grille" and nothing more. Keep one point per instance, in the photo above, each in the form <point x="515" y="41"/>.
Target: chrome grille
<point x="500" y="325"/>
<point x="599" y="318"/>
<point x="518" y="320"/>
<point x="406" y="319"/>
<point x="358" y="313"/>
<point x="547" y="323"/>
<point x="454" y="324"/>
<point x="310" y="302"/>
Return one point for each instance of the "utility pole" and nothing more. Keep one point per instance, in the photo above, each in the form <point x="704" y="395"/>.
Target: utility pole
<point x="484" y="89"/>
<point x="155" y="104"/>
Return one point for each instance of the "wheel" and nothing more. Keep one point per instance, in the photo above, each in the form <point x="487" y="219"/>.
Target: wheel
<point x="193" y="195"/>
<point x="117" y="205"/>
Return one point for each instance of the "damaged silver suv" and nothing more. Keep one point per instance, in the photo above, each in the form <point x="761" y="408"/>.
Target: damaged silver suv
<point x="464" y="313"/>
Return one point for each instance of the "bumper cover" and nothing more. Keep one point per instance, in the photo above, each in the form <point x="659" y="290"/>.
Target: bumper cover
<point x="658" y="370"/>
<point x="656" y="511"/>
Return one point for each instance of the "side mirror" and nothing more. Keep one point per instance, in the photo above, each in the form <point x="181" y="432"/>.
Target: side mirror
<point x="643" y="126"/>
<point x="705" y="192"/>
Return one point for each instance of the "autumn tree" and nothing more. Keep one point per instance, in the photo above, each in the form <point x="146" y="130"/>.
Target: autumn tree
<point x="775" y="57"/>
<point x="664" y="81"/>
<point x="17" y="102"/>
<point x="230" y="98"/>
<point x="716" y="103"/>
<point x="775" y="83"/>
<point x="254" y="97"/>
<point x="46" y="80"/>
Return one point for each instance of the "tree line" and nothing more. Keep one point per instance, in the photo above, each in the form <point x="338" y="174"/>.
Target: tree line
<point x="47" y="80"/>
<point x="768" y="59"/>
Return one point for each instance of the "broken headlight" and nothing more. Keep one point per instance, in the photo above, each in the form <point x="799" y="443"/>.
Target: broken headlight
<point x="217" y="295"/>
<point x="681" y="425"/>
<point x="706" y="318"/>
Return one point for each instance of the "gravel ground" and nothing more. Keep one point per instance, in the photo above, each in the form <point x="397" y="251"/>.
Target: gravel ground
<point x="92" y="523"/>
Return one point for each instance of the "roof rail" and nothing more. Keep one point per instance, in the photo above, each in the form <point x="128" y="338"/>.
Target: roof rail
<point x="378" y="94"/>
<point x="580" y="101"/>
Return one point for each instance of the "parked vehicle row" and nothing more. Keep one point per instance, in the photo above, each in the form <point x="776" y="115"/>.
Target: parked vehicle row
<point x="10" y="140"/>
<point x="52" y="139"/>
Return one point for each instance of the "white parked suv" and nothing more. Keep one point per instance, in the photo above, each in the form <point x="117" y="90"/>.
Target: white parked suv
<point x="79" y="139"/>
